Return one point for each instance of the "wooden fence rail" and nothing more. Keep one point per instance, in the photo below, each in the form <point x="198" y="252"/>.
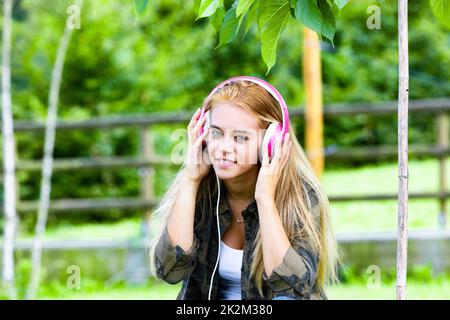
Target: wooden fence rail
<point x="147" y="159"/>
<point x="434" y="106"/>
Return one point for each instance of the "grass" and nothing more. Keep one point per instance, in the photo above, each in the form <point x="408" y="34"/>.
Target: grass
<point x="422" y="284"/>
<point x="158" y="290"/>
<point x="94" y="290"/>
<point x="382" y="215"/>
<point x="437" y="290"/>
<point x="423" y="176"/>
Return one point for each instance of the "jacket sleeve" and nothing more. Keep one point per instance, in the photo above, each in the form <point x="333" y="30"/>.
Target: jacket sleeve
<point x="174" y="264"/>
<point x="296" y="275"/>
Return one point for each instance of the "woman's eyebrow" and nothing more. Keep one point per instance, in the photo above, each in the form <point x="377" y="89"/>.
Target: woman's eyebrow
<point x="214" y="126"/>
<point x="238" y="131"/>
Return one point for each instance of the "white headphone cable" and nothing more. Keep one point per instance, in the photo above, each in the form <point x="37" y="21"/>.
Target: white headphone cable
<point x="218" y="231"/>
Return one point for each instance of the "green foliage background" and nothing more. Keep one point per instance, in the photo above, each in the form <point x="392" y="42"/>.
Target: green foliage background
<point x="163" y="61"/>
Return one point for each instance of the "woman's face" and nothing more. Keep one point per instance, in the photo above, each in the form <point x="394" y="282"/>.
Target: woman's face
<point x="234" y="135"/>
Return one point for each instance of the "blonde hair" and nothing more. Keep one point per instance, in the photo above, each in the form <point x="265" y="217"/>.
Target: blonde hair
<point x="303" y="226"/>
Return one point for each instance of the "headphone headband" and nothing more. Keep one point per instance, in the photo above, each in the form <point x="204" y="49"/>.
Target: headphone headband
<point x="269" y="88"/>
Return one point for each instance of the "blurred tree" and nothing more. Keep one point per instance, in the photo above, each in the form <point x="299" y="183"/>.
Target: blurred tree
<point x="72" y="22"/>
<point x="9" y="161"/>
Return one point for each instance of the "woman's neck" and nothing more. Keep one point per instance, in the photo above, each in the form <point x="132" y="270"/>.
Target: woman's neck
<point x="242" y="188"/>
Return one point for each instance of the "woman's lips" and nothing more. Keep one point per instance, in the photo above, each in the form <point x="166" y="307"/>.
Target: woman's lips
<point x="223" y="164"/>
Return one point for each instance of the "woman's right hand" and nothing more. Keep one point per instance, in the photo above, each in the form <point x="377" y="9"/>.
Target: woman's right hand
<point x="196" y="162"/>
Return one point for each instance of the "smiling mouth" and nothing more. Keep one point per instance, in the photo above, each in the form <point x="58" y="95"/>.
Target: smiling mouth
<point x="225" y="161"/>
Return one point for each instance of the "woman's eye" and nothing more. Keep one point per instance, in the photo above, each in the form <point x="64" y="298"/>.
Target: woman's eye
<point x="215" y="133"/>
<point x="241" y="138"/>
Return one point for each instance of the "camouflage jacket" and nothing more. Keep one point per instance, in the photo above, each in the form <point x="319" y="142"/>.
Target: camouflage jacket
<point x="295" y="277"/>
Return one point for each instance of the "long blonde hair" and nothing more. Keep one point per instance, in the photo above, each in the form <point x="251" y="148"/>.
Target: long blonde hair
<point x="297" y="187"/>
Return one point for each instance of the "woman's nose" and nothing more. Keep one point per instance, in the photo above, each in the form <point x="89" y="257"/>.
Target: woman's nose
<point x="226" y="144"/>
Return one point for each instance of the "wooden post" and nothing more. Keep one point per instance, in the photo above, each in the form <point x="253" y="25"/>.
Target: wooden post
<point x="146" y="150"/>
<point x="443" y="140"/>
<point x="312" y="76"/>
<point x="403" y="94"/>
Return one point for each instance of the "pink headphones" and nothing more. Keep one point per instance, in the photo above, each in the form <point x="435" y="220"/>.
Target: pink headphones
<point x="273" y="131"/>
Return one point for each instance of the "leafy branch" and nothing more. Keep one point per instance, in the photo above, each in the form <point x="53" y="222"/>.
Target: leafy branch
<point x="272" y="16"/>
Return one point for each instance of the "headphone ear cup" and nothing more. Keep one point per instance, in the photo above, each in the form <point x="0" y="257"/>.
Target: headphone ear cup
<point x="269" y="140"/>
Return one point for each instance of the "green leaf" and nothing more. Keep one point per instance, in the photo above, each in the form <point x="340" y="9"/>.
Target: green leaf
<point x="308" y="13"/>
<point x="140" y="6"/>
<point x="243" y="7"/>
<point x="274" y="19"/>
<point x="208" y="8"/>
<point x="441" y="10"/>
<point x="328" y="23"/>
<point x="229" y="28"/>
<point x="316" y="15"/>
<point x="251" y="15"/>
<point x="260" y="15"/>
<point x="341" y="3"/>
<point x="245" y="17"/>
<point x="217" y="18"/>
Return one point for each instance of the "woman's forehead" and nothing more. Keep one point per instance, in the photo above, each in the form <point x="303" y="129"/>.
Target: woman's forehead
<point x="229" y="116"/>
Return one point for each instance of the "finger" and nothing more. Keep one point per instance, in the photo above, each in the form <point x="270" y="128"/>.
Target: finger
<point x="286" y="143"/>
<point x="203" y="152"/>
<point x="191" y="125"/>
<point x="277" y="156"/>
<point x="286" y="152"/>
<point x="199" y="124"/>
<point x="197" y="148"/>
<point x="282" y="149"/>
<point x="194" y="118"/>
<point x="265" y="159"/>
<point x="287" y="138"/>
<point x="280" y="144"/>
<point x="201" y="137"/>
<point x="194" y="132"/>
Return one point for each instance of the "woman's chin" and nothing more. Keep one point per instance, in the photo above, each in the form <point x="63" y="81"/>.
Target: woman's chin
<point x="225" y="173"/>
<point x="233" y="171"/>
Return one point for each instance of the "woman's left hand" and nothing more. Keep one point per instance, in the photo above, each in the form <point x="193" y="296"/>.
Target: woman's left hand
<point x="270" y="172"/>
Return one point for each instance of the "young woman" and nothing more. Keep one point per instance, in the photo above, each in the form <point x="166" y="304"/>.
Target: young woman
<point x="243" y="220"/>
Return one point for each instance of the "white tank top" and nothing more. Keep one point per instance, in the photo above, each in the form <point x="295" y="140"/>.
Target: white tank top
<point x="230" y="264"/>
